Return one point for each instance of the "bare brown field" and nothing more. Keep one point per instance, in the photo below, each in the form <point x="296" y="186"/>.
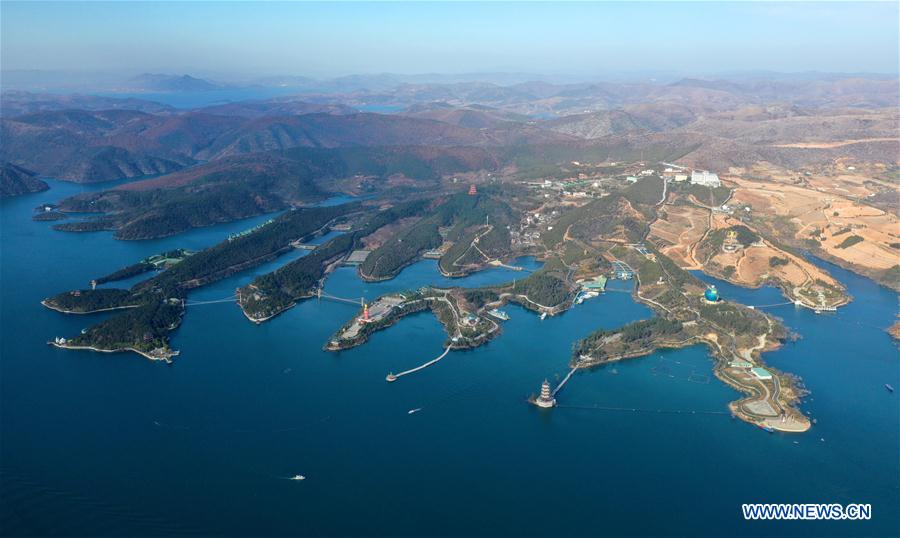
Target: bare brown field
<point x="834" y="144"/>
<point x="753" y="264"/>
<point x="842" y="177"/>
<point x="821" y="215"/>
<point x="676" y="232"/>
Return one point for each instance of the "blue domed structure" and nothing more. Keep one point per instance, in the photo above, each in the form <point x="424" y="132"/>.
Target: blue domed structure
<point x="711" y="294"/>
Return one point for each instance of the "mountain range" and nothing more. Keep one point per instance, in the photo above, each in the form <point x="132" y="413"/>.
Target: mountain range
<point x="723" y="123"/>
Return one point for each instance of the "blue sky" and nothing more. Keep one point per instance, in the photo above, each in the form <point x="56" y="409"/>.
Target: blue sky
<point x="328" y="39"/>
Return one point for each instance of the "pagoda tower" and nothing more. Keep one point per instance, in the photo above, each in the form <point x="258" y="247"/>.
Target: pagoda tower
<point x="473" y="190"/>
<point x="546" y="399"/>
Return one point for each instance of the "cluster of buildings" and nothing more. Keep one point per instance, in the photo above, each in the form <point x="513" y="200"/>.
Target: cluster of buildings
<point x="530" y="226"/>
<point x="381" y="308"/>
<point x="759" y="373"/>
<point x="705" y="178"/>
<point x="697" y="177"/>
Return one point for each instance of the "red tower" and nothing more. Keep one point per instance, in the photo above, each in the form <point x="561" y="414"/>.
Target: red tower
<point x="472" y="190"/>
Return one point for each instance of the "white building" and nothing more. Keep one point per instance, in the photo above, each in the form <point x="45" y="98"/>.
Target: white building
<point x="681" y="177"/>
<point x="702" y="177"/>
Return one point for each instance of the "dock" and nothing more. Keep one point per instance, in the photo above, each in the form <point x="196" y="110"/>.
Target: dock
<point x="498" y="263"/>
<point x="393" y="377"/>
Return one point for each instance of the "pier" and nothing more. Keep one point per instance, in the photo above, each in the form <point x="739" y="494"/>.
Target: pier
<point x="393" y="377"/>
<point x="498" y="263"/>
<point x="638" y="410"/>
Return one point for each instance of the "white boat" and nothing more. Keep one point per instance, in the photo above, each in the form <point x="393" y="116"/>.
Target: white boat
<point x="416" y="410"/>
<point x="543" y="315"/>
<point x="298" y="477"/>
<point x="499" y="314"/>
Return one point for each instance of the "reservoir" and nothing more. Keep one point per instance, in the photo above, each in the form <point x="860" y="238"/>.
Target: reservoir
<point x="112" y="444"/>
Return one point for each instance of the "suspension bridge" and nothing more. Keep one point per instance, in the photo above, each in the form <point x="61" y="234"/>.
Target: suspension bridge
<point x="319" y="295"/>
<point x="770" y="305"/>
<point x="230" y="299"/>
<point x="327" y="296"/>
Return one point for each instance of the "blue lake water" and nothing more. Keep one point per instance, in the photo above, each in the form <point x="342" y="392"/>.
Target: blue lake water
<point x="112" y="444"/>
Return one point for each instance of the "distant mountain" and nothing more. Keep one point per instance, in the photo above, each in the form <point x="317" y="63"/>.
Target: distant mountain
<point x="17" y="103"/>
<point x="15" y="180"/>
<point x="545" y="99"/>
<point x="86" y="146"/>
<point x="473" y="116"/>
<point x="94" y="145"/>
<point x="152" y="82"/>
<point x="328" y="130"/>
<point x="630" y="119"/>
<point x="822" y="91"/>
<point x="276" y="107"/>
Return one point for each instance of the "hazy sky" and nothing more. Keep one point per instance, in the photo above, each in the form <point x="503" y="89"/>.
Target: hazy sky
<point x="339" y="38"/>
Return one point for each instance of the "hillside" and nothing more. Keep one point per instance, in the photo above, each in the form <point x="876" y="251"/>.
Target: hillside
<point x="15" y="181"/>
<point x="597" y="124"/>
<point x="82" y="145"/>
<point x="221" y="191"/>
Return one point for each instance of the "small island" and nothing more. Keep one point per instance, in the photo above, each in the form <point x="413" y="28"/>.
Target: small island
<point x="894" y="330"/>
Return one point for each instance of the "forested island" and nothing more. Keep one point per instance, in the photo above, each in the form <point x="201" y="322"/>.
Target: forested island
<point x="155" y="305"/>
